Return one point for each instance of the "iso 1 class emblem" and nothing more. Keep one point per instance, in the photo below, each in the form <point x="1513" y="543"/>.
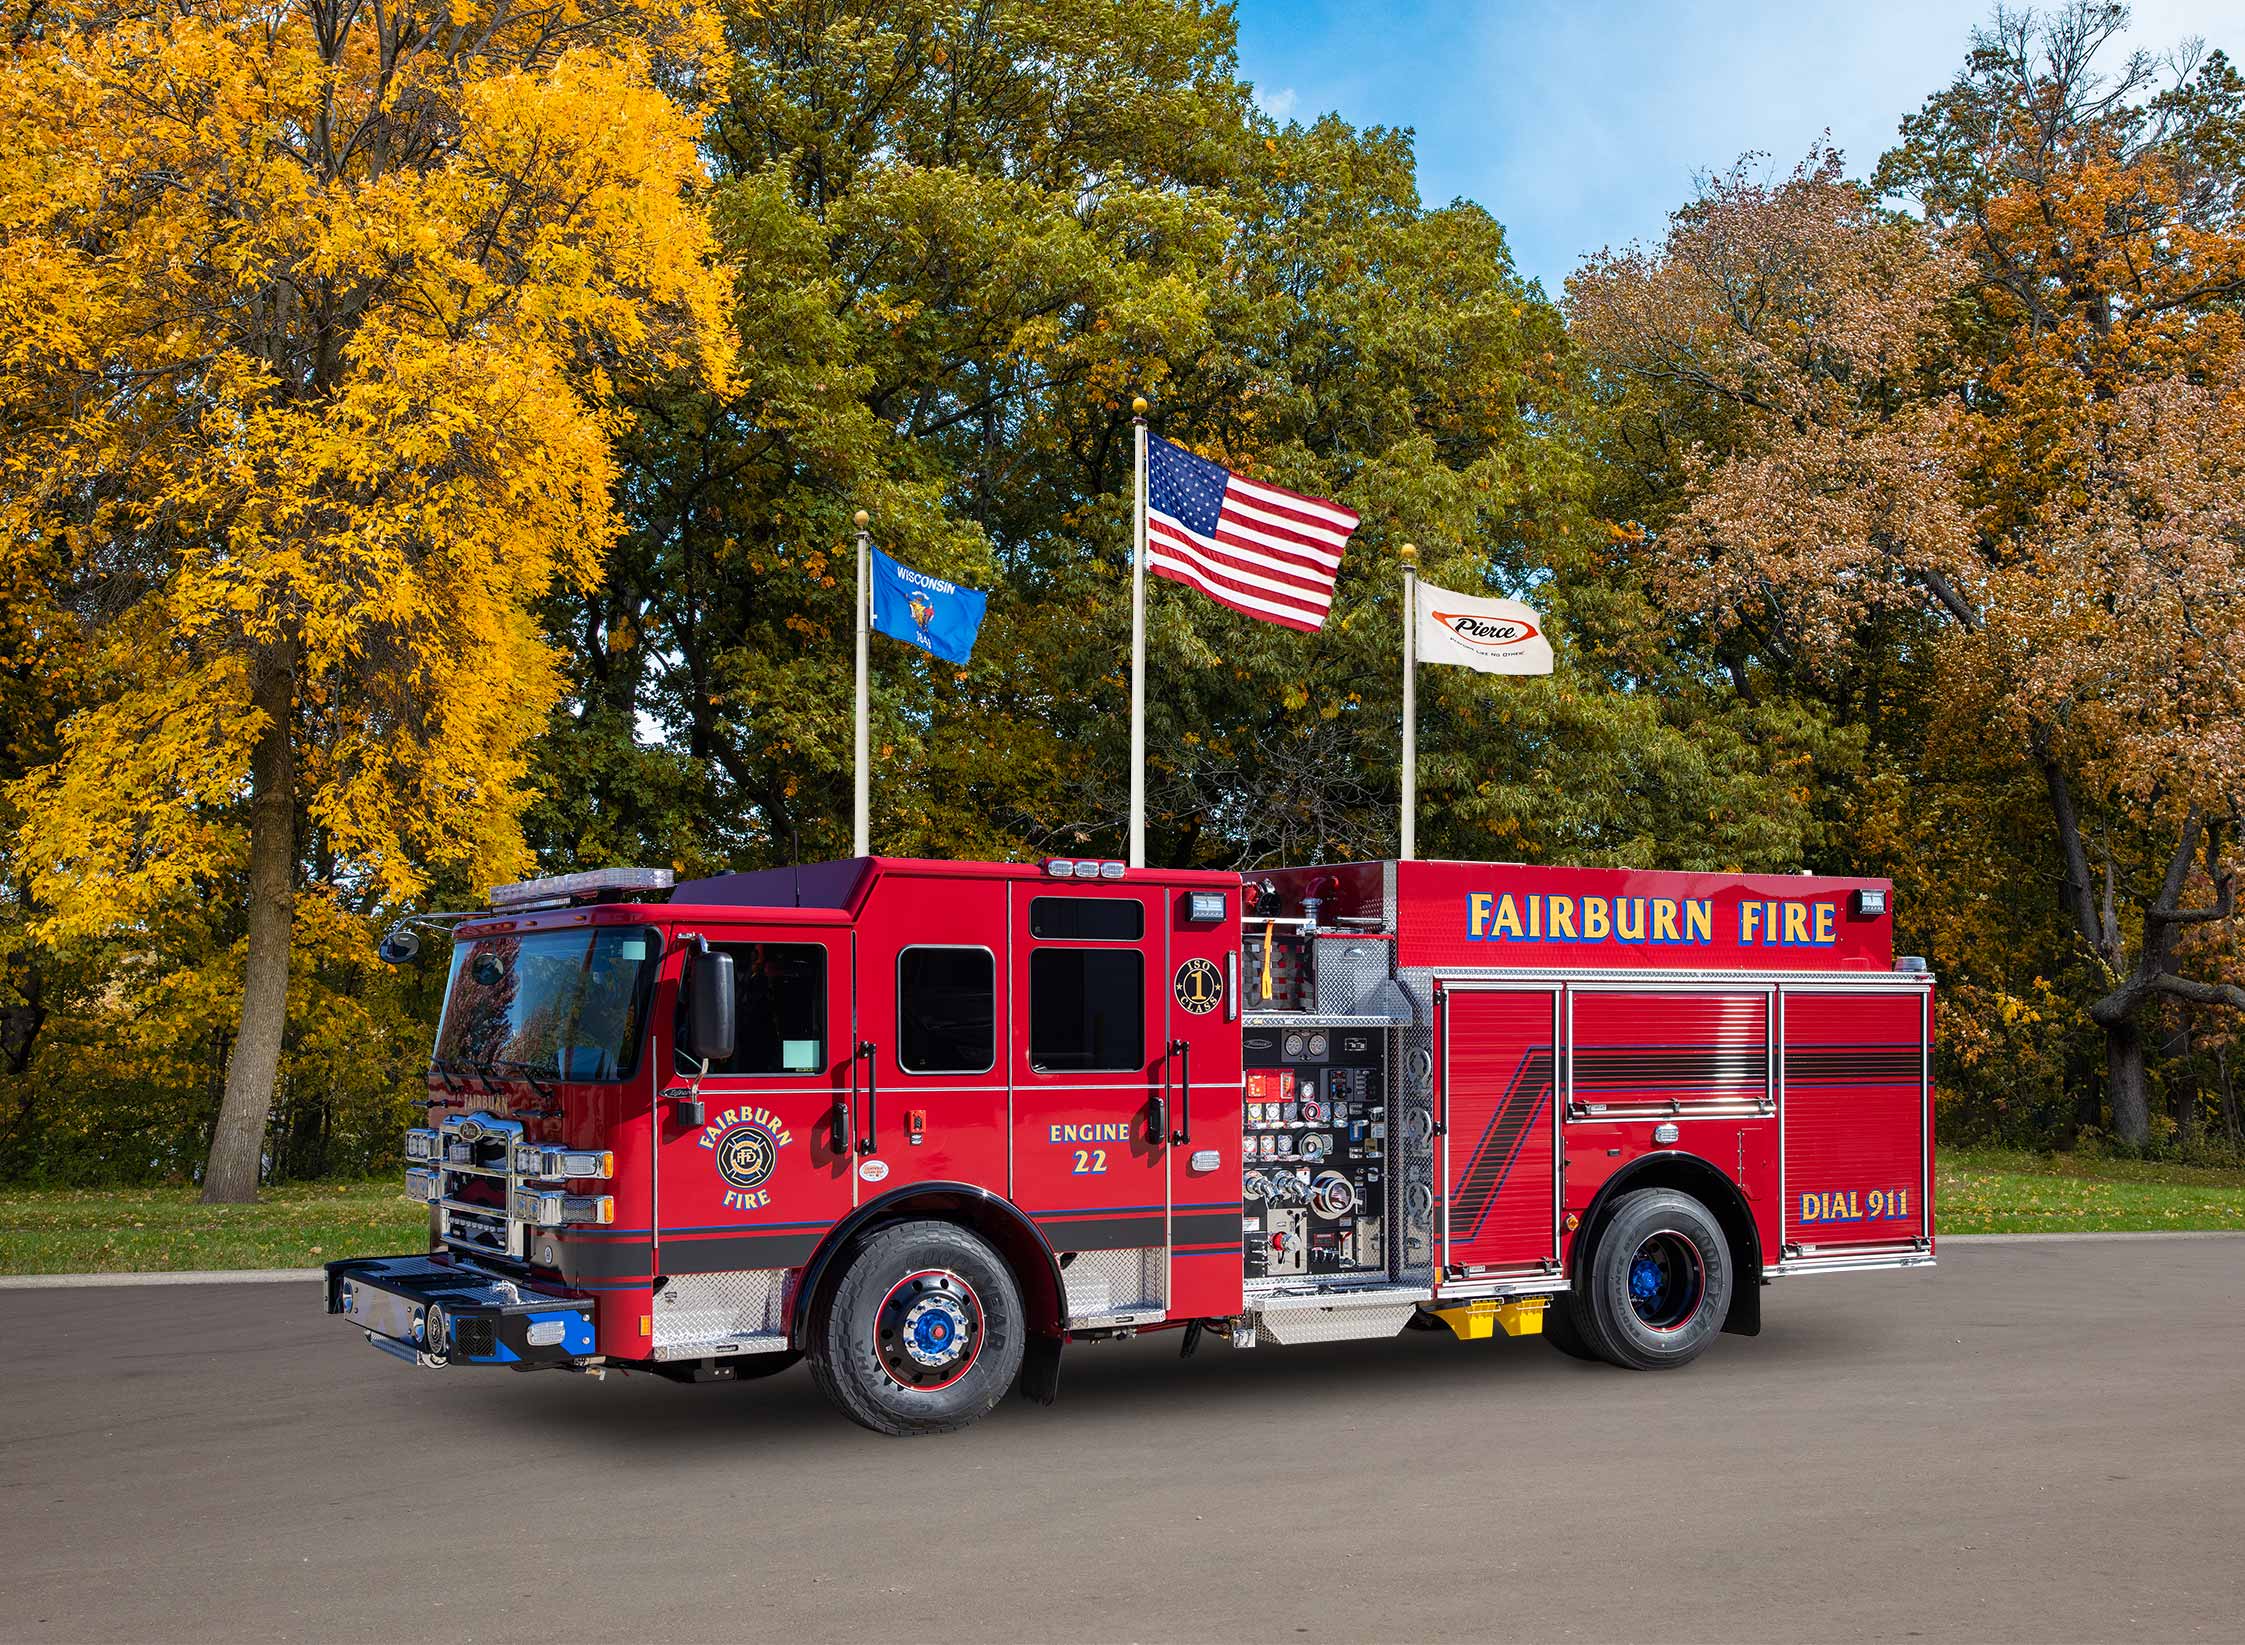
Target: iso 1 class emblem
<point x="745" y="1144"/>
<point x="1199" y="987"/>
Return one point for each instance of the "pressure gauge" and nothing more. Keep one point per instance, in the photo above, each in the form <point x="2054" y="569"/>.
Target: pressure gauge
<point x="1313" y="1112"/>
<point x="1316" y="1146"/>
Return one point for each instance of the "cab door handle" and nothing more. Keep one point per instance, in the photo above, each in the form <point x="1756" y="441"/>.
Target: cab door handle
<point x="1182" y="1050"/>
<point x="869" y="1143"/>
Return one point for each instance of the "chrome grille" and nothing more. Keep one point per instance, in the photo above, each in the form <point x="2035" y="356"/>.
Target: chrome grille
<point x="489" y="1188"/>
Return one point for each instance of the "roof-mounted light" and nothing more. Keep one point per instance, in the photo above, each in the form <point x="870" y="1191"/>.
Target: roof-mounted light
<point x="1083" y="868"/>
<point x="594" y="885"/>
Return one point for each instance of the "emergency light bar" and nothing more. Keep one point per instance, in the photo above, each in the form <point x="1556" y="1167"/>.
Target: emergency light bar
<point x="1071" y="868"/>
<point x="558" y="890"/>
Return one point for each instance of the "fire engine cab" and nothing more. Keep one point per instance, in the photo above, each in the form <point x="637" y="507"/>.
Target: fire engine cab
<point x="924" y="1123"/>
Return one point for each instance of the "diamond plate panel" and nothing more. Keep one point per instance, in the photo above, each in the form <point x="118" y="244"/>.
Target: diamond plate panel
<point x="1347" y="971"/>
<point x="1117" y="1282"/>
<point x="708" y="1311"/>
<point x="1293" y="1327"/>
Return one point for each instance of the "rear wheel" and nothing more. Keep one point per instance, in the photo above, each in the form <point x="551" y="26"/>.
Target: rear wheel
<point x="1658" y="1283"/>
<point x="922" y="1332"/>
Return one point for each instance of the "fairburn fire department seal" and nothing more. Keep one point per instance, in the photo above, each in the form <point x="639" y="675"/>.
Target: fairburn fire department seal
<point x="744" y="1145"/>
<point x="746" y="1155"/>
<point x="1199" y="987"/>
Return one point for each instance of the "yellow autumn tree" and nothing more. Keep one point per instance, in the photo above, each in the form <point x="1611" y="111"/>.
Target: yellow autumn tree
<point x="314" y="321"/>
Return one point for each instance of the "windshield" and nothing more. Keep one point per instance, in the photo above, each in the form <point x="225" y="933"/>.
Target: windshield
<point x="567" y="1005"/>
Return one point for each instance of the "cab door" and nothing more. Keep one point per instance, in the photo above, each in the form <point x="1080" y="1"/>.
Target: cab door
<point x="933" y="1022"/>
<point x="1092" y="1103"/>
<point x="762" y="1174"/>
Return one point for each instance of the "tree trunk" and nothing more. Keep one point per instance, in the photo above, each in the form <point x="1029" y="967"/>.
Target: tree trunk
<point x="2124" y="1082"/>
<point x="238" y="1142"/>
<point x="2229" y="1096"/>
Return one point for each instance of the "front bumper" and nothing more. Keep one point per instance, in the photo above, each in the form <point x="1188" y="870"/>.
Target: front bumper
<point x="433" y="1313"/>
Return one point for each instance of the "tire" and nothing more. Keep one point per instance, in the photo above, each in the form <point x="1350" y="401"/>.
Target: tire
<point x="921" y="1333"/>
<point x="1658" y="1283"/>
<point x="755" y="1367"/>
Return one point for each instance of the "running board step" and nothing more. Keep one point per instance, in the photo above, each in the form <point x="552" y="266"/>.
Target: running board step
<point x="1296" y="1318"/>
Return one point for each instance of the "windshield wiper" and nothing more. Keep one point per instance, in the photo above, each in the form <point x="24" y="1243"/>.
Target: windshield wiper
<point x="529" y="1072"/>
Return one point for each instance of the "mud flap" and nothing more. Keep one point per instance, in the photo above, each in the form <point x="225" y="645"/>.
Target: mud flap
<point x="1040" y="1369"/>
<point x="1745" y="1316"/>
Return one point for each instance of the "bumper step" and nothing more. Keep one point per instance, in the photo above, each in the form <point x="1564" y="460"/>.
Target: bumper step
<point x="435" y="1313"/>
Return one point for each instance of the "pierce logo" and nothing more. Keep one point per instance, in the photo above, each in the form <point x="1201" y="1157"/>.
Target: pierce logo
<point x="1486" y="633"/>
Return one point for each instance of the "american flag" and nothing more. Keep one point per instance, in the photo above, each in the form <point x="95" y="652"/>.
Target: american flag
<point x="1257" y="548"/>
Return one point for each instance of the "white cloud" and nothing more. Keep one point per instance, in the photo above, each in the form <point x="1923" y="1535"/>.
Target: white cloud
<point x="1279" y="104"/>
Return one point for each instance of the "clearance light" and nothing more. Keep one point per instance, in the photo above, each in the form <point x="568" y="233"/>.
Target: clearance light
<point x="1076" y="868"/>
<point x="551" y="1208"/>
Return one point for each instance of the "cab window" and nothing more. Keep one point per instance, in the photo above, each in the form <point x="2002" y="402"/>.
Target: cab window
<point x="779" y="1008"/>
<point x="946" y="1011"/>
<point x="1087" y="1010"/>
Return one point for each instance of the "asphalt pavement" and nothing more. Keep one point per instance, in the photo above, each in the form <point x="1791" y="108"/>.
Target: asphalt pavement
<point x="2034" y="1442"/>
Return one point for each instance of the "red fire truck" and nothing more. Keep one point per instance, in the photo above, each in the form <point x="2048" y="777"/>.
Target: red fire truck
<point x="924" y="1123"/>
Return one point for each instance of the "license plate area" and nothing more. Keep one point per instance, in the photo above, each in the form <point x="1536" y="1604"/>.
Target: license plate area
<point x="448" y="1315"/>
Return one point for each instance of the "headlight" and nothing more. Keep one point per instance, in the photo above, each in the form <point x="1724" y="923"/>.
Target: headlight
<point x="531" y="1160"/>
<point x="421" y="1143"/>
<point x="551" y="1208"/>
<point x="425" y="1186"/>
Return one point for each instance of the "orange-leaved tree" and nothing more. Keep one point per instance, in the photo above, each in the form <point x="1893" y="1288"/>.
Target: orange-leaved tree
<point x="2002" y="444"/>
<point x="315" y="316"/>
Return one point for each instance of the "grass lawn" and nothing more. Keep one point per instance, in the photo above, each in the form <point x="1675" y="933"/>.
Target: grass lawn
<point x="141" y="1230"/>
<point x="129" y="1230"/>
<point x="1997" y="1192"/>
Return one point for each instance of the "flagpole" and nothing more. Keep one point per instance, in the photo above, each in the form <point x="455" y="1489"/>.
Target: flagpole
<point x="861" y="839"/>
<point x="1410" y="557"/>
<point x="1138" y="641"/>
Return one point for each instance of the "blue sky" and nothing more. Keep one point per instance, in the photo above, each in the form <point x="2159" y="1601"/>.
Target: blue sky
<point x="1581" y="125"/>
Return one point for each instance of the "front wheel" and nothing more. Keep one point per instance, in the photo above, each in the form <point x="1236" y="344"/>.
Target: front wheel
<point x="921" y="1334"/>
<point x="1656" y="1287"/>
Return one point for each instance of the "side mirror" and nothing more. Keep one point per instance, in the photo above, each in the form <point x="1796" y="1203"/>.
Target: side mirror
<point x="709" y="1007"/>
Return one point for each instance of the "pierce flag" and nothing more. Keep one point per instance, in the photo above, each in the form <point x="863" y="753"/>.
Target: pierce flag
<point x="937" y="616"/>
<point x="1494" y="636"/>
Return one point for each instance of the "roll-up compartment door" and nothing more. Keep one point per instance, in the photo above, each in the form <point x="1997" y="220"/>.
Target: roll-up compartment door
<point x="1854" y="1117"/>
<point x="1500" y="1158"/>
<point x="1651" y="1051"/>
